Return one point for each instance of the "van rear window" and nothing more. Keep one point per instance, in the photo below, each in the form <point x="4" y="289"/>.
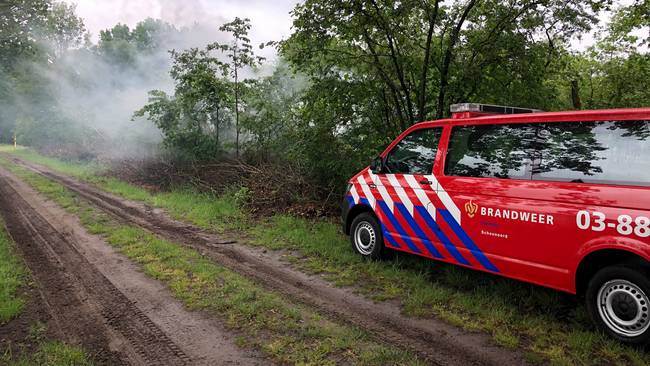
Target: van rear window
<point x="613" y="152"/>
<point x="610" y="152"/>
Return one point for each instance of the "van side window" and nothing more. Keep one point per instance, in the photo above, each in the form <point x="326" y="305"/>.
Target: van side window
<point x="612" y="152"/>
<point x="501" y="151"/>
<point x="415" y="153"/>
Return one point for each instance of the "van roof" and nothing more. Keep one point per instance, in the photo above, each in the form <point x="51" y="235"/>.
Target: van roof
<point x="564" y="116"/>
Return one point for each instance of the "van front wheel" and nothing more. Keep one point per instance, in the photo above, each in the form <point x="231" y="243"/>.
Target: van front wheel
<point x="619" y="303"/>
<point x="366" y="236"/>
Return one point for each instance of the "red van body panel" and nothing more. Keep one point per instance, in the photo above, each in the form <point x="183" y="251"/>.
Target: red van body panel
<point x="528" y="230"/>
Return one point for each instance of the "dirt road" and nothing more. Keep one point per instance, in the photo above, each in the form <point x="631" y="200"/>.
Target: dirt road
<point x="99" y="299"/>
<point x="438" y="342"/>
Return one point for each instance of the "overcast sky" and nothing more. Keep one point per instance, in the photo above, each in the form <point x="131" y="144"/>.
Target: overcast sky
<point x="270" y="18"/>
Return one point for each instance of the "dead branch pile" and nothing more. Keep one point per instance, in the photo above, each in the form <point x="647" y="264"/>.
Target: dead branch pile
<point x="265" y="188"/>
<point x="72" y="152"/>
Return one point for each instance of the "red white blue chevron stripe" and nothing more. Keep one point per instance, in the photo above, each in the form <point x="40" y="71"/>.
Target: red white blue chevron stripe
<point x="417" y="218"/>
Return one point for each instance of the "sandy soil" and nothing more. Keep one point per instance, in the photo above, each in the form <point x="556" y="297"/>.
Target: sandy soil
<point x="440" y="343"/>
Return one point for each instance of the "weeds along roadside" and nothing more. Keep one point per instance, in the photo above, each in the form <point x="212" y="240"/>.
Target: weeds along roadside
<point x="547" y="325"/>
<point x="50" y="353"/>
<point x="287" y="333"/>
<point x="13" y="278"/>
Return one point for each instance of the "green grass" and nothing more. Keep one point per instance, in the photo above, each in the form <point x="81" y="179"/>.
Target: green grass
<point x="206" y="210"/>
<point x="50" y="354"/>
<point x="286" y="332"/>
<point x="12" y="278"/>
<point x="203" y="209"/>
<point x="77" y="169"/>
<point x="547" y="325"/>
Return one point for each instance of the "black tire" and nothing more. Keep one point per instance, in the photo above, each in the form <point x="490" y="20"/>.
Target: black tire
<point x="618" y="302"/>
<point x="366" y="236"/>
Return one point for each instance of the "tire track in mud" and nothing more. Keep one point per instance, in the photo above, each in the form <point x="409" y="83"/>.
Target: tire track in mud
<point x="89" y="309"/>
<point x="195" y="337"/>
<point x="58" y="293"/>
<point x="438" y="342"/>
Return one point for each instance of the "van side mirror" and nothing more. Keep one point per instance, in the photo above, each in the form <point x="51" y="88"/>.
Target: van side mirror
<point x="377" y="165"/>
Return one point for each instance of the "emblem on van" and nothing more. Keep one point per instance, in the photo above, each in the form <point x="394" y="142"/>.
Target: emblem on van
<point x="471" y="208"/>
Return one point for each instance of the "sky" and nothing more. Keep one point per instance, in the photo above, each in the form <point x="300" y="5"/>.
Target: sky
<point x="270" y="19"/>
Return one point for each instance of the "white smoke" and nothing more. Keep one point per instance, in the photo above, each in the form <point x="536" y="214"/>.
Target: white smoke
<point x="92" y="91"/>
<point x="270" y="20"/>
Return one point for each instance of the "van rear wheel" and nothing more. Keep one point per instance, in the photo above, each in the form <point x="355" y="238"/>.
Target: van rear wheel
<point x="618" y="300"/>
<point x="366" y="236"/>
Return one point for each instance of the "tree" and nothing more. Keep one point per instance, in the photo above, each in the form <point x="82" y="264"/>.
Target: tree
<point x="627" y="19"/>
<point x="193" y="119"/>
<point x="151" y="35"/>
<point x="615" y="72"/>
<point x="200" y="90"/>
<point x="121" y="45"/>
<point x="377" y="66"/>
<point x="19" y="21"/>
<point x="33" y="34"/>
<point x="116" y="45"/>
<point x="240" y="53"/>
<point x="63" y="29"/>
<point x="271" y="112"/>
<point x="411" y="54"/>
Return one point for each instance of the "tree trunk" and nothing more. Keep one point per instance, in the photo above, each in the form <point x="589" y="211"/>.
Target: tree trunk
<point x="394" y="89"/>
<point x="236" y="107"/>
<point x="575" y="94"/>
<point x="216" y="127"/>
<point x="422" y="97"/>
<point x="444" y="72"/>
<point x="395" y="56"/>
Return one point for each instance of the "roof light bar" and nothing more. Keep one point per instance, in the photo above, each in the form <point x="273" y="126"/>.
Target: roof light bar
<point x="489" y="108"/>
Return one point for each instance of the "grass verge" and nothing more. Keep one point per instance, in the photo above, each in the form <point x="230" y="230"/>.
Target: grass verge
<point x="286" y="332"/>
<point x="77" y="169"/>
<point x="549" y="326"/>
<point x="12" y="277"/>
<point x="52" y="353"/>
<point x="203" y="209"/>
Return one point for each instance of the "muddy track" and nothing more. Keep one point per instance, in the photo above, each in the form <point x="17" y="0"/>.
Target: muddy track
<point x="101" y="301"/>
<point x="438" y="342"/>
<point x="86" y="305"/>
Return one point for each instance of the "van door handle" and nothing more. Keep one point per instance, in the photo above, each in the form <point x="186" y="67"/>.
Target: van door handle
<point x="425" y="181"/>
<point x="372" y="185"/>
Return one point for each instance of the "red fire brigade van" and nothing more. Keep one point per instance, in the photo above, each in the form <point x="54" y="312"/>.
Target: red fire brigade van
<point x="557" y="199"/>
